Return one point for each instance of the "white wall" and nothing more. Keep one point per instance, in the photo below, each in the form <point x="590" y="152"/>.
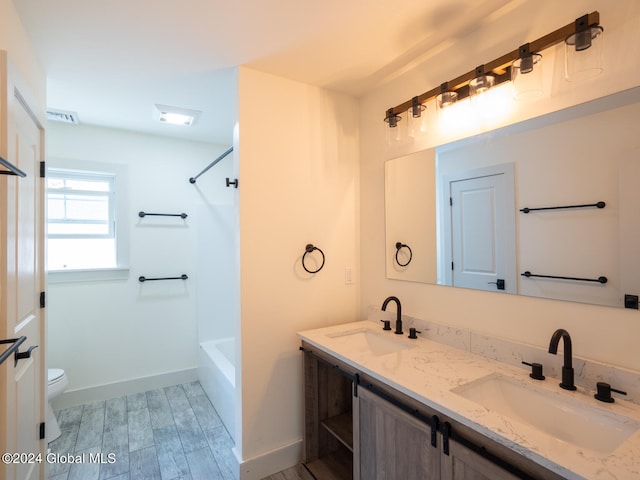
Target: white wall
<point x="14" y="39"/>
<point x="217" y="308"/>
<point x="103" y="332"/>
<point x="600" y="333"/>
<point x="298" y="157"/>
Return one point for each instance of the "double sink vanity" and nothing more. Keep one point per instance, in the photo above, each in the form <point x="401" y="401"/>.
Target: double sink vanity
<point x="382" y="405"/>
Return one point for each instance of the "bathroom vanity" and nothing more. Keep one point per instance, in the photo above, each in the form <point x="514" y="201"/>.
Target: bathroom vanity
<point x="380" y="405"/>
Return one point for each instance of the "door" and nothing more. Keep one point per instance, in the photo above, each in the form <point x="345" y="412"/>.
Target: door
<point x="482" y="230"/>
<point x="390" y="444"/>
<point x="464" y="464"/>
<point x="22" y="383"/>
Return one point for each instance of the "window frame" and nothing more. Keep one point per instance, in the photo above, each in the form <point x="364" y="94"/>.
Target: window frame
<point x="121" y="228"/>
<point x="110" y="194"/>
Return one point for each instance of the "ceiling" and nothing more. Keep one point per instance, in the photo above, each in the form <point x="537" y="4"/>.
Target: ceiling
<point x="110" y="62"/>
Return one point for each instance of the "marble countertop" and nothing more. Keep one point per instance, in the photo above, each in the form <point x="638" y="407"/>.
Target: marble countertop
<point x="432" y="372"/>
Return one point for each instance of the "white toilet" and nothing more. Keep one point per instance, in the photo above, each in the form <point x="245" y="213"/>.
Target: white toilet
<point x="57" y="383"/>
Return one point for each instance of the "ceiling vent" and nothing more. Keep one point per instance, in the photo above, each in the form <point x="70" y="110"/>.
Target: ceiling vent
<point x="63" y="116"/>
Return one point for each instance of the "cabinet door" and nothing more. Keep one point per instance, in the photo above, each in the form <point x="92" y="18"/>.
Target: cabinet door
<point x="465" y="464"/>
<point x="390" y="444"/>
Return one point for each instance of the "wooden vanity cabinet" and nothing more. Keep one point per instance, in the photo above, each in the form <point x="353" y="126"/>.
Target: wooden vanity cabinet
<point x="359" y="428"/>
<point x="463" y="463"/>
<point x="328" y="422"/>
<point x="396" y="437"/>
<point x="391" y="444"/>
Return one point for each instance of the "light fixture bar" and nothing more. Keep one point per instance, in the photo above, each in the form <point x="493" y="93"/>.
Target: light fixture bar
<point x="500" y="66"/>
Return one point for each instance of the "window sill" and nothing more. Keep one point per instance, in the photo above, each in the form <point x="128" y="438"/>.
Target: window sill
<point x="88" y="275"/>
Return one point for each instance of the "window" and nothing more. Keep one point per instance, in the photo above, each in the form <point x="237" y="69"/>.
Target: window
<point x="80" y="205"/>
<point x="82" y="220"/>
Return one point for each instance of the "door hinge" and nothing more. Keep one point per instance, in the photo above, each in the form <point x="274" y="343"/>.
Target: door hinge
<point x="42" y="431"/>
<point x="451" y="201"/>
<point x="452" y="266"/>
<point x="42" y="299"/>
<point x="43" y="170"/>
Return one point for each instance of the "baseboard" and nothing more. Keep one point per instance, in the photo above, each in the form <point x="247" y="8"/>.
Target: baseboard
<point x="271" y="462"/>
<point x="127" y="387"/>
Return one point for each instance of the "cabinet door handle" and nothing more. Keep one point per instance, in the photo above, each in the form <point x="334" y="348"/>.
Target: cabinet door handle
<point x="435" y="423"/>
<point x="446" y="433"/>
<point x="356" y="381"/>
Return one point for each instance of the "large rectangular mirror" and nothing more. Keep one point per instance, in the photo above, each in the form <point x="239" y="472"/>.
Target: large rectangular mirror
<point x="457" y="215"/>
<point x="410" y="217"/>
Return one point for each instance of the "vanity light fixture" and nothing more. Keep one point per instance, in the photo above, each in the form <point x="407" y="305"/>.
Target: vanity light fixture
<point x="446" y="97"/>
<point x="417" y="121"/>
<point x="481" y="82"/>
<point x="394" y="134"/>
<point x="526" y="74"/>
<point x="416" y="108"/>
<point x="176" y="116"/>
<point x="392" y="118"/>
<point x="582" y="35"/>
<point x="583" y="50"/>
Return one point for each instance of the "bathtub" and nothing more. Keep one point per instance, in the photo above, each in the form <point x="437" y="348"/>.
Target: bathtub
<point x="217" y="376"/>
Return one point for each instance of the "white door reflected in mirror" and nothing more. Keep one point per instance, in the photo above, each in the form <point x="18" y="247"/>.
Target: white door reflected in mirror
<point x="478" y="227"/>
<point x="583" y="154"/>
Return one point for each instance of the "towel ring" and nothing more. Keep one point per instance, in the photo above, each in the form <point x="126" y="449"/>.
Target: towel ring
<point x="399" y="247"/>
<point x="308" y="249"/>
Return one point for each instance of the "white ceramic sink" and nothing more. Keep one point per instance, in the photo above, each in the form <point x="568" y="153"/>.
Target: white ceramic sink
<point x="364" y="340"/>
<point x="567" y="419"/>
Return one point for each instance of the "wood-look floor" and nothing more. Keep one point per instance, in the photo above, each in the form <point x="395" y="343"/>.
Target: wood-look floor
<point x="166" y="434"/>
<point x="172" y="433"/>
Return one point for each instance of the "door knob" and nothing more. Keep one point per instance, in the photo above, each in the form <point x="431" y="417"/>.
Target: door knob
<point x="499" y="283"/>
<point x="22" y="355"/>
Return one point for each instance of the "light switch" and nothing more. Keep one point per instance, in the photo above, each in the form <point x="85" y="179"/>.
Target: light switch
<point x="348" y="276"/>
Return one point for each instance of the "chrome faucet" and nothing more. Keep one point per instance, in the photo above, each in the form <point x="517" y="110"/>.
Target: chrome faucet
<point x="567" y="368"/>
<point x="398" y="313"/>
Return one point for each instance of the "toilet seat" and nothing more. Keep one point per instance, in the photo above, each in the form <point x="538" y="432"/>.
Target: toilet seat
<point x="54" y="375"/>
